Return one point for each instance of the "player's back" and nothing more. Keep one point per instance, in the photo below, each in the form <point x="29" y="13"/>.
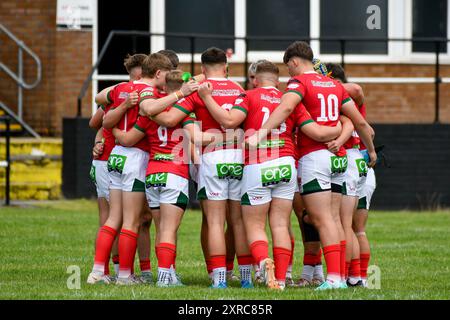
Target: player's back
<point x="323" y="98"/>
<point x="224" y="93"/>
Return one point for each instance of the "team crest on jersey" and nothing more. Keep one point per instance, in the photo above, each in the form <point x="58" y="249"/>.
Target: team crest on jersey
<point x="123" y="95"/>
<point x="293" y="86"/>
<point x="239" y="101"/>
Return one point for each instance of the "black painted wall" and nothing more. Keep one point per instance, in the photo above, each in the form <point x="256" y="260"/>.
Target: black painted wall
<point x="78" y="140"/>
<point x="419" y="177"/>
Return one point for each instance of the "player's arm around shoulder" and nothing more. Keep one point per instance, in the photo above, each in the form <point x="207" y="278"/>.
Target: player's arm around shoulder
<point x="152" y="106"/>
<point x="365" y="131"/>
<point x="169" y="118"/>
<point x="130" y="138"/>
<point x="355" y="91"/>
<point x="96" y="120"/>
<point x="113" y="116"/>
<point x="229" y="119"/>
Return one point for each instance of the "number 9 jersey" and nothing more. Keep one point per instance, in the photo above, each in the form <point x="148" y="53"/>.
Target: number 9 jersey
<point x="323" y="98"/>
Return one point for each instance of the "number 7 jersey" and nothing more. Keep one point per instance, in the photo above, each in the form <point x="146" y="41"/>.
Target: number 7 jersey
<point x="323" y="97"/>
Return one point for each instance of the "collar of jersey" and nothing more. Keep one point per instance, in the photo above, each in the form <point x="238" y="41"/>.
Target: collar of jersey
<point x="270" y="87"/>
<point x="218" y="79"/>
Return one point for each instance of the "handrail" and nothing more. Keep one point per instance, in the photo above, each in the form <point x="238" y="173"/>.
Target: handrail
<point x="20" y="121"/>
<point x="193" y="36"/>
<point x="23" y="46"/>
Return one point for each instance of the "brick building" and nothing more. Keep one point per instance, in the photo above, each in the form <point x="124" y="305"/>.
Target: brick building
<point x="68" y="55"/>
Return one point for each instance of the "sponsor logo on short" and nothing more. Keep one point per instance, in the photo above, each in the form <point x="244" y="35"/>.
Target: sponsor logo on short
<point x="339" y="164"/>
<point x="230" y="170"/>
<point x="116" y="163"/>
<point x="92" y="174"/>
<point x="156" y="180"/>
<point x="215" y="194"/>
<point x="362" y="167"/>
<point x="275" y="175"/>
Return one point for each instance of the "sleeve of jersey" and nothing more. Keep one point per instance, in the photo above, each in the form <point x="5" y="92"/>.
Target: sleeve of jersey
<point x="110" y="95"/>
<point x="147" y="93"/>
<point x="191" y="118"/>
<point x="302" y="116"/>
<point x="296" y="86"/>
<point x="186" y="104"/>
<point x="142" y="123"/>
<point x="241" y="103"/>
<point x="345" y="96"/>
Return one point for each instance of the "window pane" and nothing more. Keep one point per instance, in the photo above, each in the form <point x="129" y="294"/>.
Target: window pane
<point x="277" y="18"/>
<point x="199" y="16"/>
<point x="109" y="19"/>
<point x="429" y="20"/>
<point x="348" y="18"/>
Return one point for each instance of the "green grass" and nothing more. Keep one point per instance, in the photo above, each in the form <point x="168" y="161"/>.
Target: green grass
<point x="39" y="242"/>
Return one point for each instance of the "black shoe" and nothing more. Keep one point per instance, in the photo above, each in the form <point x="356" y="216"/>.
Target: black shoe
<point x="358" y="284"/>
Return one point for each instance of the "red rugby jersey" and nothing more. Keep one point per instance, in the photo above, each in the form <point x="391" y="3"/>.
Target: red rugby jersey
<point x="119" y="95"/>
<point x="224" y="93"/>
<point x="109" y="140"/>
<point x="167" y="146"/>
<point x="323" y="98"/>
<point x="258" y="104"/>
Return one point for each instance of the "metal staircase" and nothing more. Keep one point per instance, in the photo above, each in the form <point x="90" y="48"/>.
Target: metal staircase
<point x="18" y="125"/>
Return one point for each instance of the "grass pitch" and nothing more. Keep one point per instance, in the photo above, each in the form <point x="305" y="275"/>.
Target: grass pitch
<point x="38" y="243"/>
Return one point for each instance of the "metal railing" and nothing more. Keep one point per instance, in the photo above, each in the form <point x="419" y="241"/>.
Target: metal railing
<point x="7" y="162"/>
<point x="18" y="78"/>
<point x="343" y="42"/>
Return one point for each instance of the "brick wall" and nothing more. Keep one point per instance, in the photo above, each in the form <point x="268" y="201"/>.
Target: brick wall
<point x="65" y="55"/>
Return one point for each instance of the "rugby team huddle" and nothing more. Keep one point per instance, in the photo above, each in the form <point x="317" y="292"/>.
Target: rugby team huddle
<point x="254" y="156"/>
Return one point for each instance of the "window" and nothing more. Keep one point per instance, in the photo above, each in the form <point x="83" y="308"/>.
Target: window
<point x="429" y="21"/>
<point x="288" y="18"/>
<point x="110" y="19"/>
<point x="348" y="18"/>
<point x="199" y="16"/>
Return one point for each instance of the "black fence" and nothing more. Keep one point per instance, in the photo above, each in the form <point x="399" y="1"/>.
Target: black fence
<point x="343" y="43"/>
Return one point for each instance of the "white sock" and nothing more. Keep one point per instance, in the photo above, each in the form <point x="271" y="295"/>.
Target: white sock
<point x="307" y="272"/>
<point x="318" y="272"/>
<point x="334" y="278"/>
<point x="173" y="275"/>
<point x="256" y="268"/>
<point x="219" y="275"/>
<point x="164" y="275"/>
<point x="246" y="272"/>
<point x="289" y="271"/>
<point x="116" y="268"/>
<point x="99" y="268"/>
<point x="354" y="280"/>
<point x="124" y="273"/>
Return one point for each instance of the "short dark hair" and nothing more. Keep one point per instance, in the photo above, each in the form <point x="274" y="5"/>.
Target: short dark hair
<point x="214" y="55"/>
<point x="155" y="62"/>
<point x="336" y="71"/>
<point x="298" y="49"/>
<point x="133" y="61"/>
<point x="267" y="67"/>
<point x="172" y="55"/>
<point x="174" y="80"/>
